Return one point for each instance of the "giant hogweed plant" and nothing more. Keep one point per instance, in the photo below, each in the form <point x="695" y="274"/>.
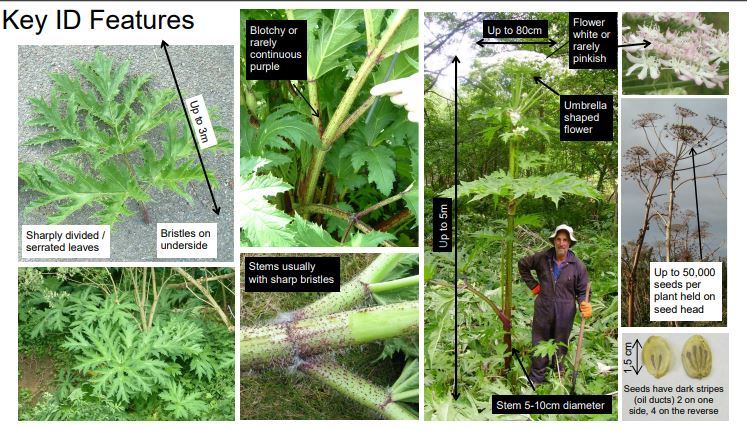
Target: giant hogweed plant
<point x="513" y="124"/>
<point x="347" y="176"/>
<point x="379" y="304"/>
<point x="133" y="339"/>
<point x="104" y="122"/>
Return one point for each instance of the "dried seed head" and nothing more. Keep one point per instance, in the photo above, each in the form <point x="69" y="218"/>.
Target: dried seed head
<point x="657" y="356"/>
<point x="697" y="358"/>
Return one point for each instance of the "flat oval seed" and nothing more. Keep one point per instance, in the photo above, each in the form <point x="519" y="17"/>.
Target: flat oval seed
<point x="656" y="356"/>
<point x="697" y="358"/>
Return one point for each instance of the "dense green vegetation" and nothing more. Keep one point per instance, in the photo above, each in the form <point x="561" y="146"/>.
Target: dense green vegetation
<point x="323" y="163"/>
<point x="517" y="181"/>
<point x="125" y="344"/>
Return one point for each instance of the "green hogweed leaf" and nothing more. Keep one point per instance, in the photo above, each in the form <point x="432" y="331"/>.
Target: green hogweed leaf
<point x="379" y="161"/>
<point x="182" y="405"/>
<point x="310" y="234"/>
<point x="282" y="128"/>
<point x="555" y="186"/>
<point x="334" y="36"/>
<point x="100" y="117"/>
<point x="261" y="222"/>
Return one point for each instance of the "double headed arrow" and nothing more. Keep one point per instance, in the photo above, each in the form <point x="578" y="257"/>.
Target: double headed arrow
<point x="645" y="44"/>
<point x="482" y="43"/>
<point x="455" y="393"/>
<point x="216" y="208"/>
<point x="637" y="349"/>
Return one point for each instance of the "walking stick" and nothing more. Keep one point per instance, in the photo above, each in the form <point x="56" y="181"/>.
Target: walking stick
<point x="580" y="344"/>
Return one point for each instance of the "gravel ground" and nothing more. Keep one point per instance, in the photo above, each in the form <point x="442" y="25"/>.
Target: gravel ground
<point x="206" y="70"/>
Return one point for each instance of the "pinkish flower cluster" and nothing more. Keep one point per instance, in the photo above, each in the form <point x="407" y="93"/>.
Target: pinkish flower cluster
<point x="680" y="42"/>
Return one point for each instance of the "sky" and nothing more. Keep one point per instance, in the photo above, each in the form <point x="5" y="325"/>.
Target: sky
<point x="711" y="194"/>
<point x="462" y="46"/>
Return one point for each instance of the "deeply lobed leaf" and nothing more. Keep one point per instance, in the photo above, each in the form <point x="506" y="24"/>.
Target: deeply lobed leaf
<point x="101" y="118"/>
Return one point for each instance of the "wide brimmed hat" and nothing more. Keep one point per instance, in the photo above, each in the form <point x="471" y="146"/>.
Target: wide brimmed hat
<point x="568" y="229"/>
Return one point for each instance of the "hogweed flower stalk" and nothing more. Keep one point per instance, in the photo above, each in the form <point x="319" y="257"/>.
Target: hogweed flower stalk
<point x="680" y="42"/>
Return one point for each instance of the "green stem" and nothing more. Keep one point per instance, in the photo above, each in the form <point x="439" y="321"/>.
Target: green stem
<point x="346" y="103"/>
<point x="297" y="340"/>
<point x="314" y="101"/>
<point x="325" y="186"/>
<point x="354" y="291"/>
<point x="355" y="217"/>
<point x="384" y="202"/>
<point x="339" y="213"/>
<point x="349" y="121"/>
<point x="509" y="248"/>
<point x="370" y="36"/>
<point x="362" y="391"/>
<point x="380" y="287"/>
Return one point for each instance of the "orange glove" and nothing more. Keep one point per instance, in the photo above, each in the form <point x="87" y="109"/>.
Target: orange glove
<point x="536" y="289"/>
<point x="585" y="308"/>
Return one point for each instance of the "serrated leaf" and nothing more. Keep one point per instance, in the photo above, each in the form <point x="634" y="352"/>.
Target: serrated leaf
<point x="407" y="35"/>
<point x="379" y="162"/>
<point x="338" y="164"/>
<point x="182" y="405"/>
<point x="281" y="129"/>
<point x="555" y="187"/>
<point x="261" y="222"/>
<point x="176" y="168"/>
<point x="406" y="387"/>
<point x="101" y="117"/>
<point x="334" y="35"/>
<point x="203" y="366"/>
<point x="111" y="191"/>
<point x="374" y="238"/>
<point x="310" y="234"/>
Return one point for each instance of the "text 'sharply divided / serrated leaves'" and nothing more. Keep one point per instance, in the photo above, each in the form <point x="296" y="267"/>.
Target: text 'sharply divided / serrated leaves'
<point x="100" y="118"/>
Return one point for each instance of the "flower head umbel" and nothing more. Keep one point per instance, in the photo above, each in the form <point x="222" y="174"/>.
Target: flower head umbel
<point x="515" y="116"/>
<point x="520" y="131"/>
<point x="682" y="44"/>
<point x="648" y="65"/>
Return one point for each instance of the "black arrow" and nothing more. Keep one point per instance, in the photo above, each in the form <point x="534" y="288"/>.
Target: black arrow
<point x="455" y="393"/>
<point x="645" y="44"/>
<point x="637" y="347"/>
<point x="697" y="209"/>
<point x="315" y="113"/>
<point x="538" y="80"/>
<point x="216" y="208"/>
<point x="559" y="48"/>
<point x="549" y="42"/>
<point x="515" y="353"/>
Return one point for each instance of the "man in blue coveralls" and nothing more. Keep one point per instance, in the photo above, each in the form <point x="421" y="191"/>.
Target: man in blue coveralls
<point x="561" y="283"/>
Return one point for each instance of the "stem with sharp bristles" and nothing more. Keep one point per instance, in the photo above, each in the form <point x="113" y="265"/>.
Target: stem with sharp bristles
<point x="354" y="291"/>
<point x="297" y="340"/>
<point x="362" y="391"/>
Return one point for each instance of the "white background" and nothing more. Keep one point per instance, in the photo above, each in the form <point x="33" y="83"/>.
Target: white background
<point x="218" y="23"/>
